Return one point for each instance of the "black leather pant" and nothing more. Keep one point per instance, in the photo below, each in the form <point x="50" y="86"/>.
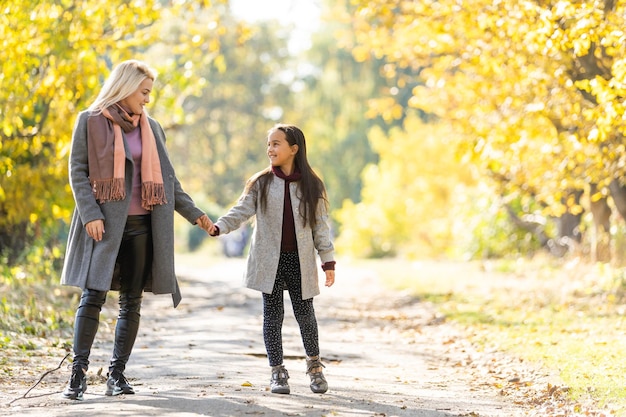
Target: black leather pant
<point x="135" y="260"/>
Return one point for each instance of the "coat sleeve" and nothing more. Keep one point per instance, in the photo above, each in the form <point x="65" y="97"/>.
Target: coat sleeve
<point x="86" y="204"/>
<point x="321" y="234"/>
<point x="184" y="204"/>
<point x="240" y="212"/>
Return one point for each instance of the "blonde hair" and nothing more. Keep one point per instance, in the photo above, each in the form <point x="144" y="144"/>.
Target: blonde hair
<point x="123" y="81"/>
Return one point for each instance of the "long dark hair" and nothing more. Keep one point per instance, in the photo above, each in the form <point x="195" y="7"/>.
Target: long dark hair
<point x="310" y="187"/>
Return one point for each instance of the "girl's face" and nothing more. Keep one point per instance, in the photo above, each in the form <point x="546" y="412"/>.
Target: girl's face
<point x="280" y="153"/>
<point x="135" y="102"/>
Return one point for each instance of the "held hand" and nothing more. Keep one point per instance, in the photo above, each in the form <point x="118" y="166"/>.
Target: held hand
<point x="330" y="278"/>
<point x="205" y="223"/>
<point x="95" y="229"/>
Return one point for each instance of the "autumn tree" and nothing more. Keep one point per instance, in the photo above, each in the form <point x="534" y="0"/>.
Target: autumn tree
<point x="223" y="140"/>
<point x="418" y="173"/>
<point x="331" y="91"/>
<point x="536" y="87"/>
<point x="54" y="57"/>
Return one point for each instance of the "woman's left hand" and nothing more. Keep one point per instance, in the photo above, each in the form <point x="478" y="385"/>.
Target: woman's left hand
<point x="205" y="223"/>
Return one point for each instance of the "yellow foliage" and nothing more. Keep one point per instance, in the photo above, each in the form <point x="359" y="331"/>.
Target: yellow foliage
<point x="537" y="87"/>
<point x="406" y="197"/>
<point x="53" y="57"/>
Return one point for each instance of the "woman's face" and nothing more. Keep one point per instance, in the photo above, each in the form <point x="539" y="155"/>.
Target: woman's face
<point x="135" y="102"/>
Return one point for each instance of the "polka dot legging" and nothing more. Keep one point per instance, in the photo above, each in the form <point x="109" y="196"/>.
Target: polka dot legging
<point x="274" y="311"/>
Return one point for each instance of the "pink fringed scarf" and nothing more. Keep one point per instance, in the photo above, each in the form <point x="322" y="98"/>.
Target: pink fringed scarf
<point x="107" y="157"/>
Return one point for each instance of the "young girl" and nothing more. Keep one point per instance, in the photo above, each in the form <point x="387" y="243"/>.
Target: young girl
<point x="291" y="208"/>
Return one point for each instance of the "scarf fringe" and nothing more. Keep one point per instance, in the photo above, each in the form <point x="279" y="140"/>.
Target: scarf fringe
<point x="152" y="194"/>
<point x="111" y="189"/>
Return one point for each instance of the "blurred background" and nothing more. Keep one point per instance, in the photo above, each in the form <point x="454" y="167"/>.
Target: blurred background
<point x="443" y="129"/>
<point x="440" y="130"/>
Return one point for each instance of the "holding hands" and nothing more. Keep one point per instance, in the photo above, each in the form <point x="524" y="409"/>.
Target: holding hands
<point x="205" y="223"/>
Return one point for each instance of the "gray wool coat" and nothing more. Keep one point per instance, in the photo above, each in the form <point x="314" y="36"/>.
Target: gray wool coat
<point x="262" y="263"/>
<point x="91" y="264"/>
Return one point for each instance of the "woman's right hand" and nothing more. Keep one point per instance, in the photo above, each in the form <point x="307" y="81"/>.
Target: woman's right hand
<point x="95" y="229"/>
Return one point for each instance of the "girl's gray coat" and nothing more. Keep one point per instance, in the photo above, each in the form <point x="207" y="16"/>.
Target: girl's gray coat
<point x="91" y="264"/>
<point x="262" y="263"/>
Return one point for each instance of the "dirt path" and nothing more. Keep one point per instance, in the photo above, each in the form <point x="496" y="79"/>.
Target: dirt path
<point x="386" y="355"/>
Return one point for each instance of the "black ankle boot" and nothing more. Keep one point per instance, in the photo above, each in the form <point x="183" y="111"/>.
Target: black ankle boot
<point x="77" y="385"/>
<point x="118" y="384"/>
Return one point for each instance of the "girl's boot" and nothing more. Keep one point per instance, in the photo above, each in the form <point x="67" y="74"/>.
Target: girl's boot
<point x="278" y="383"/>
<point x="314" y="370"/>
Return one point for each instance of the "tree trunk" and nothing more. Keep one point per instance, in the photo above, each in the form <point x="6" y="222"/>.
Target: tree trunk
<point x="568" y="223"/>
<point x="601" y="237"/>
<point x="618" y="193"/>
<point x="568" y="226"/>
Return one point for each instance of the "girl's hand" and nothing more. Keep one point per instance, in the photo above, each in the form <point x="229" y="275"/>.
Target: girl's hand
<point x="330" y="277"/>
<point x="95" y="229"/>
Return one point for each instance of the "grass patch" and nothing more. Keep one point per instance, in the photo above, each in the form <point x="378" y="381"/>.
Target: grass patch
<point x="36" y="318"/>
<point x="33" y="305"/>
<point x="569" y="317"/>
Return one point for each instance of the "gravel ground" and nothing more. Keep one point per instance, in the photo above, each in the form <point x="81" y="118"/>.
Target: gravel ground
<point x="386" y="354"/>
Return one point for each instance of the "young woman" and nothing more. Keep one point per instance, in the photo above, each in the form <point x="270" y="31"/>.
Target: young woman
<point x="291" y="208"/>
<point x="122" y="231"/>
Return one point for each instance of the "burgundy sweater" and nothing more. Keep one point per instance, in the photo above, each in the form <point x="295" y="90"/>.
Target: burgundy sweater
<point x="288" y="242"/>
